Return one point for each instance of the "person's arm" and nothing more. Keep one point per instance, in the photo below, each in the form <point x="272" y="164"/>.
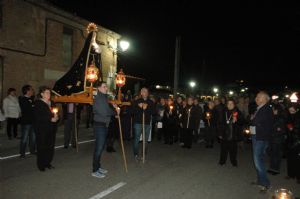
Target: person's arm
<point x="5" y="107"/>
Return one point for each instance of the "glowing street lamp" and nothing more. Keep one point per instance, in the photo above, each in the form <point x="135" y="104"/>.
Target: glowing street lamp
<point x="192" y="84"/>
<point x="215" y="90"/>
<point x="230" y="92"/>
<point x="124" y="45"/>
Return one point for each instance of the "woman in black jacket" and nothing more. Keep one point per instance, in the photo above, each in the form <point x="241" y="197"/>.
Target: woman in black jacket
<point x="230" y="132"/>
<point x="45" y="125"/>
<point x="277" y="140"/>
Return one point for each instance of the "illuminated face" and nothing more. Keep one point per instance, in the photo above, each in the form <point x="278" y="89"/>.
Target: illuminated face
<point x="230" y="105"/>
<point x="211" y="105"/>
<point x="103" y="88"/>
<point x="144" y="93"/>
<point x="162" y="101"/>
<point x="46" y="95"/>
<point x="190" y="101"/>
<point x="292" y="110"/>
<point x="179" y="100"/>
<point x="260" y="99"/>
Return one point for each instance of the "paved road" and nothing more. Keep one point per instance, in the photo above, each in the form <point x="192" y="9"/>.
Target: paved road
<point x="169" y="172"/>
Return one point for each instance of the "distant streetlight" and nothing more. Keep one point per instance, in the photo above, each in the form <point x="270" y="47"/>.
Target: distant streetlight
<point x="230" y="92"/>
<point x="242" y="90"/>
<point x="124" y="45"/>
<point x="192" y="84"/>
<point x="215" y="90"/>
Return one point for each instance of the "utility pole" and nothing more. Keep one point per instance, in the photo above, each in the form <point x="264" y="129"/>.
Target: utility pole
<point x="177" y="65"/>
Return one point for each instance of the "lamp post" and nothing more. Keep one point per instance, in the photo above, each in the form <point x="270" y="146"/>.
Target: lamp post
<point x="120" y="82"/>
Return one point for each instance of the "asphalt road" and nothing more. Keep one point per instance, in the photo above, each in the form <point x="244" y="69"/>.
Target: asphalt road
<point x="170" y="172"/>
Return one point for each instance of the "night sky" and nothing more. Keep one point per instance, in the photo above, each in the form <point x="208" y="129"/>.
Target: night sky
<point x="256" y="42"/>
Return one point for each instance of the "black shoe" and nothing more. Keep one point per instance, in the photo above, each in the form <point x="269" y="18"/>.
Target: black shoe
<point x="50" y="166"/>
<point x="273" y="172"/>
<point x="264" y="189"/>
<point x="22" y="156"/>
<point x="221" y="164"/>
<point x="234" y="165"/>
<point x="42" y="169"/>
<point x="65" y="147"/>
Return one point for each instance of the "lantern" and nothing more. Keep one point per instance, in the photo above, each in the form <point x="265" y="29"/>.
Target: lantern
<point x="120" y="79"/>
<point x="283" y="194"/>
<point x="92" y="73"/>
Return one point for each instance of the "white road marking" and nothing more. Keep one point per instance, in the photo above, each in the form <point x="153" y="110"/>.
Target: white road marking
<point x="57" y="147"/>
<point x="108" y="191"/>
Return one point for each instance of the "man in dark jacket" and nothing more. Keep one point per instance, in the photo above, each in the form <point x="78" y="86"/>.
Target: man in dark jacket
<point x="102" y="116"/>
<point x="27" y="105"/>
<point x="142" y="106"/>
<point x="261" y="129"/>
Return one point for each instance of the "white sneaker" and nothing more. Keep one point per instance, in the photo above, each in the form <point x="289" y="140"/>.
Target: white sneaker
<point x="103" y="171"/>
<point x="97" y="174"/>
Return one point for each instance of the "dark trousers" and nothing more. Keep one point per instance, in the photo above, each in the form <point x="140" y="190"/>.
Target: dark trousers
<point x="69" y="130"/>
<point x="45" y="148"/>
<point x="188" y="138"/>
<point x="228" y="146"/>
<point x="293" y="162"/>
<point x="275" y="155"/>
<point x="12" y="123"/>
<point x="100" y="136"/>
<point x="210" y="134"/>
<point x="27" y="134"/>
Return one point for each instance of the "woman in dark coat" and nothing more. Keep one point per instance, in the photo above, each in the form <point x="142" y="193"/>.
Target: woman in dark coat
<point x="210" y="121"/>
<point x="277" y="140"/>
<point x="45" y="125"/>
<point x="230" y="133"/>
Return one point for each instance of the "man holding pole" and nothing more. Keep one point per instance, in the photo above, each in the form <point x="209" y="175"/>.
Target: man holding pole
<point x="143" y="109"/>
<point x="102" y="114"/>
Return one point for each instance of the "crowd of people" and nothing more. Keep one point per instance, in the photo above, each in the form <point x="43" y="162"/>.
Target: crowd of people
<point x="274" y="126"/>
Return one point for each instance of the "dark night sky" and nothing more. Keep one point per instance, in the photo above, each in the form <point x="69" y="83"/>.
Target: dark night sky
<point x="258" y="42"/>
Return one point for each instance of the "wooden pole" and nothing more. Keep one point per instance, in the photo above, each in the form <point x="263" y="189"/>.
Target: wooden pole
<point x="144" y="139"/>
<point x="122" y="144"/>
<point x="75" y="126"/>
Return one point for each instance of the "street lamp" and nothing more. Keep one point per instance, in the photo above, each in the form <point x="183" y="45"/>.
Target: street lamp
<point x="230" y="92"/>
<point x="124" y="45"/>
<point x="215" y="90"/>
<point x="192" y="84"/>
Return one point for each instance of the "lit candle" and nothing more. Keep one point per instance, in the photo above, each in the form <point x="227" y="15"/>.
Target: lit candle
<point x="247" y="131"/>
<point x="171" y="107"/>
<point x="283" y="194"/>
<point x="55" y="110"/>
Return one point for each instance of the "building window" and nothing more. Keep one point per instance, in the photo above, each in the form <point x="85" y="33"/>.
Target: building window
<point x="67" y="46"/>
<point x="1" y="79"/>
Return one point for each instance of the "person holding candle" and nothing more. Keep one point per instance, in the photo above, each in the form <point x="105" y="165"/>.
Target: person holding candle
<point x="188" y="123"/>
<point x="45" y="126"/>
<point x="169" y="122"/>
<point x="210" y="121"/>
<point x="231" y="128"/>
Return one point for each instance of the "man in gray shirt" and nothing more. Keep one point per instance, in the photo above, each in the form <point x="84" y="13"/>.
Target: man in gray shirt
<point x="102" y="114"/>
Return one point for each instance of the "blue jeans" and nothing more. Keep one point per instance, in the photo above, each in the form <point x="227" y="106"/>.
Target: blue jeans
<point x="259" y="151"/>
<point x="100" y="136"/>
<point x="138" y="130"/>
<point x="27" y="134"/>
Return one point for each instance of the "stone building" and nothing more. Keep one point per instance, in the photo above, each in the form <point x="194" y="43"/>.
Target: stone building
<point x="39" y="43"/>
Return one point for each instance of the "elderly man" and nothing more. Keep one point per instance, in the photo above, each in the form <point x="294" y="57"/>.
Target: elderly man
<point x="261" y="129"/>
